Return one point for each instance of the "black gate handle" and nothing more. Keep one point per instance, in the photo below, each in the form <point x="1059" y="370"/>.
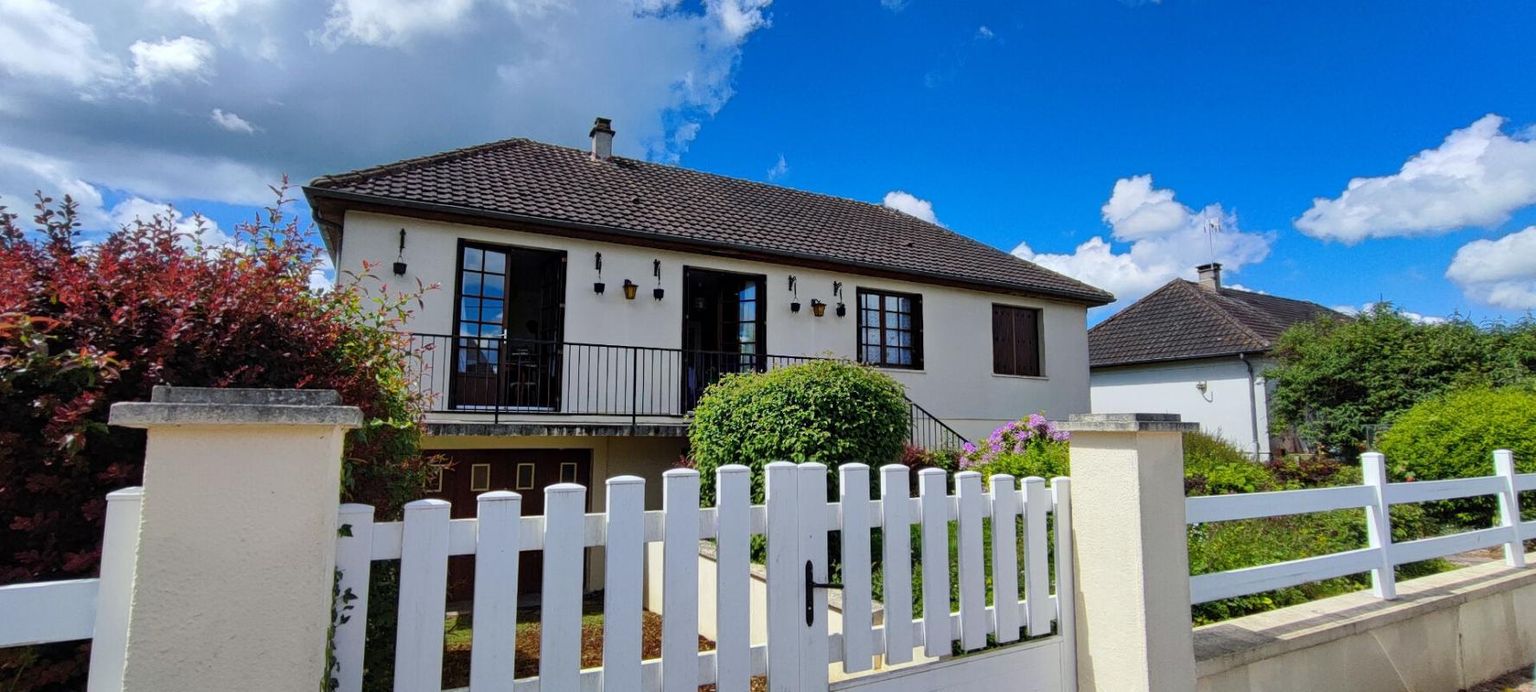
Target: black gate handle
<point x="810" y="601"/>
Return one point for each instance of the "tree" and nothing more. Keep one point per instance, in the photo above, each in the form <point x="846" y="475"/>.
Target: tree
<point x="87" y="324"/>
<point x="1335" y="377"/>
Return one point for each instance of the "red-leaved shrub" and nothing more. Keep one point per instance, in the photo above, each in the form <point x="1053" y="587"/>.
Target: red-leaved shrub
<point x="86" y="324"/>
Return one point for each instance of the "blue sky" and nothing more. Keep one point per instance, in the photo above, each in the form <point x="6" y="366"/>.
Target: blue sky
<point x="1046" y="124"/>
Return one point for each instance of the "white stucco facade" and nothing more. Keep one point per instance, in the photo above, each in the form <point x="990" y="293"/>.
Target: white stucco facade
<point x="1224" y="408"/>
<point x="956" y="384"/>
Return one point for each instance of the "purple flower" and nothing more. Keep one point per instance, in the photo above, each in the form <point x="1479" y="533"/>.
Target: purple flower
<point x="969" y="448"/>
<point x="1036" y="420"/>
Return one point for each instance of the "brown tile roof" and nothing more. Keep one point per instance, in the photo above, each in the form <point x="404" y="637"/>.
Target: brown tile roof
<point x="1181" y="321"/>
<point x="519" y="179"/>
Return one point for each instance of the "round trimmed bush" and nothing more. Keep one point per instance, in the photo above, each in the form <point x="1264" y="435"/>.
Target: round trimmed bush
<point x="1453" y="436"/>
<point x="834" y="412"/>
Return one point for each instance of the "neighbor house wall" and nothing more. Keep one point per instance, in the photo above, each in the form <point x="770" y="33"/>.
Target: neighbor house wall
<point x="1222" y="409"/>
<point x="957" y="384"/>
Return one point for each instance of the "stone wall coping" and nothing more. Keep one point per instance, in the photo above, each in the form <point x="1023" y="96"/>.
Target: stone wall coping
<point x="1127" y="422"/>
<point x="233" y="406"/>
<point x="1241" y="641"/>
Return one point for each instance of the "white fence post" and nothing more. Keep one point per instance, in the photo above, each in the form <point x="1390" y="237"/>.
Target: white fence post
<point x="1378" y="525"/>
<point x="1509" y="507"/>
<point x="109" y="638"/>
<point x="498" y="528"/>
<point x="1132" y="564"/>
<point x="354" y="561"/>
<point x="237" y="538"/>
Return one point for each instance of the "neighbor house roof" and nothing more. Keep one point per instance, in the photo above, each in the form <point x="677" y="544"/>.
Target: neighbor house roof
<point x="518" y="183"/>
<point x="1183" y="320"/>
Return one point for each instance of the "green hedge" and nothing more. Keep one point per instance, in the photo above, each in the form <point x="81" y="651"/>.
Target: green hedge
<point x="1454" y="435"/>
<point x="834" y="412"/>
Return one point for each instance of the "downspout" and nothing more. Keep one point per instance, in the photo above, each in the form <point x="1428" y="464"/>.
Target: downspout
<point x="1253" y="405"/>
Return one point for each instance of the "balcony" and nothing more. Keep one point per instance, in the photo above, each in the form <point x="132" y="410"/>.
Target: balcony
<point x="529" y="386"/>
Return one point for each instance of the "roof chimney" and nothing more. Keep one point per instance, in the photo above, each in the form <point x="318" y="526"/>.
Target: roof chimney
<point x="602" y="139"/>
<point x="1210" y="276"/>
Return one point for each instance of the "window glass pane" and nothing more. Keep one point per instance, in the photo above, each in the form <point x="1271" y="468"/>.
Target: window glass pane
<point x="473" y="257"/>
<point x="471" y="283"/>
<point x="898" y="356"/>
<point x="469" y="309"/>
<point x="904" y="321"/>
<point x="747" y="333"/>
<point x="480" y="477"/>
<point x="748" y="292"/>
<point x="490" y="311"/>
<point x="892" y="320"/>
<point x="567" y="473"/>
<point x="871" y="336"/>
<point x="496" y="261"/>
<point x="871" y="354"/>
<point x="524" y="476"/>
<point x="747" y="312"/>
<point x="871" y="300"/>
<point x="894" y="303"/>
<point x="869" y="318"/>
<point x="904" y="339"/>
<point x="492" y="286"/>
<point x="892" y="338"/>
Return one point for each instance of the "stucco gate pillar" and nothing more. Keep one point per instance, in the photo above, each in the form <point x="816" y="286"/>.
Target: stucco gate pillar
<point x="1133" y="617"/>
<point x="237" y="536"/>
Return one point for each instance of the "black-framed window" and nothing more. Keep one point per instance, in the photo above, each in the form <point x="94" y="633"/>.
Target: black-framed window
<point x="1015" y="340"/>
<point x="890" y="329"/>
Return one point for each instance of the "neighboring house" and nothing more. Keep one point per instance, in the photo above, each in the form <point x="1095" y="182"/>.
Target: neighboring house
<point x="1200" y="350"/>
<point x="588" y="299"/>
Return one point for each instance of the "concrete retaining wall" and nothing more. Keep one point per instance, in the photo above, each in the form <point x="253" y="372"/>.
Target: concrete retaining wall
<point x="1447" y="632"/>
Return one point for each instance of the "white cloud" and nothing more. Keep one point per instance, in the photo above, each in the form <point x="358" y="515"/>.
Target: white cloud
<point x="171" y="59"/>
<point x="139" y="210"/>
<point x="232" y="122"/>
<point x="39" y="39"/>
<point x="392" y="22"/>
<point x="323" y="276"/>
<point x="1477" y="177"/>
<point x="984" y="33"/>
<point x="1498" y="272"/>
<point x="525" y="68"/>
<point x="779" y="169"/>
<point x="1167" y="240"/>
<point x="1136" y="210"/>
<point x="911" y="205"/>
<point x="895" y="5"/>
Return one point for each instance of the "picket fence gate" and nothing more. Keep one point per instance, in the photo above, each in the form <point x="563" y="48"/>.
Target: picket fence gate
<point x="796" y="521"/>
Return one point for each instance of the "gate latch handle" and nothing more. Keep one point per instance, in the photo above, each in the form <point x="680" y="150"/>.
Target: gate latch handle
<point x="810" y="601"/>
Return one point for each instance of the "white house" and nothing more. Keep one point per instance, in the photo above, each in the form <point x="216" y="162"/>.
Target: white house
<point x="587" y="300"/>
<point x="1200" y="350"/>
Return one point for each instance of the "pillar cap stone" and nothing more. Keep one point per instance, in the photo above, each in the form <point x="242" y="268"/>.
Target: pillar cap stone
<point x="1127" y="422"/>
<point x="212" y="406"/>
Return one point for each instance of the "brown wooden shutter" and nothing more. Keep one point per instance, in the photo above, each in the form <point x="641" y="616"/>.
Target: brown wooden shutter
<point x="1026" y="339"/>
<point x="1002" y="341"/>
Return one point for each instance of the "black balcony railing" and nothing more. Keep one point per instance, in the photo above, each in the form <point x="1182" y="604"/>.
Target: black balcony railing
<point x="518" y="377"/>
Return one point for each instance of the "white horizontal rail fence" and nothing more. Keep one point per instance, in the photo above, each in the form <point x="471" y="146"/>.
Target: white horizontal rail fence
<point x="796" y="521"/>
<point x="1375" y="496"/>
<point x="75" y="609"/>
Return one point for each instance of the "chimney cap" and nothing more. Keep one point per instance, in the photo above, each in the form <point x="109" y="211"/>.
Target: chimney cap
<point x="603" y="125"/>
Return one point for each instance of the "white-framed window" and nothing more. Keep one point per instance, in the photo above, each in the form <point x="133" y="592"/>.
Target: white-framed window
<point x="568" y="472"/>
<point x="480" y="477"/>
<point x="524" y="477"/>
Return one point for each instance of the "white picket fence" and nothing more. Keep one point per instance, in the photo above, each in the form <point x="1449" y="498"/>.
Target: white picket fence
<point x="1375" y="495"/>
<point x="796" y="520"/>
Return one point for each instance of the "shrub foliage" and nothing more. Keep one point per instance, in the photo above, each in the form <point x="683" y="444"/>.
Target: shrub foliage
<point x="86" y="324"/>
<point x="834" y="412"/>
<point x="1336" y="377"/>
<point x="1454" y="435"/>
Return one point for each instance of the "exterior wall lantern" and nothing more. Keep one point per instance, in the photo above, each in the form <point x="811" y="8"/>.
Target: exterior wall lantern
<point x="657" y="292"/>
<point x="629" y="289"/>
<point x="400" y="259"/>
<point x="598" y="286"/>
<point x="818" y="308"/>
<point x="837" y="290"/>
<point x="794" y="294"/>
